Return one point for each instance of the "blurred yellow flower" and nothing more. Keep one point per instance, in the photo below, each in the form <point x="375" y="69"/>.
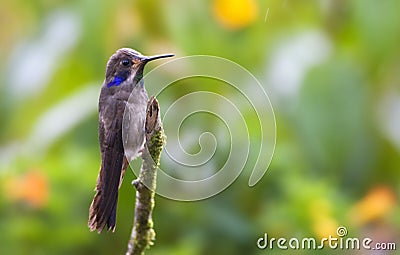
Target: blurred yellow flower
<point x="324" y="227"/>
<point x="323" y="224"/>
<point x="235" y="14"/>
<point x="32" y="188"/>
<point x="376" y="204"/>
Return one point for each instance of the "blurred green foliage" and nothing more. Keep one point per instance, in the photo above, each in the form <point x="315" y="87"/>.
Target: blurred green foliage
<point x="337" y="158"/>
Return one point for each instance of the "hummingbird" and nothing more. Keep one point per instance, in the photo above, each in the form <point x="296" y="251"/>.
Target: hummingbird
<point x="123" y="81"/>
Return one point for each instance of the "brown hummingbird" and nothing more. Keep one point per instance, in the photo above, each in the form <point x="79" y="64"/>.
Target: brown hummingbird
<point x="123" y="81"/>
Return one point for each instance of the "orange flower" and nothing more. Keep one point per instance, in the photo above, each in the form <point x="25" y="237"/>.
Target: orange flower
<point x="376" y="204"/>
<point x="32" y="187"/>
<point x="235" y="14"/>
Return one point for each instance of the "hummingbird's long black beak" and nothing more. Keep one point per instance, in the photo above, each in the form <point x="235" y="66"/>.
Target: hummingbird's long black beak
<point x="151" y="58"/>
<point x="146" y="59"/>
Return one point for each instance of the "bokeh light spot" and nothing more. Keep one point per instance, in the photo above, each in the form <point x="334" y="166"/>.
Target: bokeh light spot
<point x="235" y="14"/>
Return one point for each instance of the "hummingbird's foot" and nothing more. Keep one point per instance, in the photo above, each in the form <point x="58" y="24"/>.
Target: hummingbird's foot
<point x="139" y="186"/>
<point x="135" y="183"/>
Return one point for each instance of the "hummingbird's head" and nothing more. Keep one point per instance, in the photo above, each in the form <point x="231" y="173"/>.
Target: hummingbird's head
<point x="127" y="63"/>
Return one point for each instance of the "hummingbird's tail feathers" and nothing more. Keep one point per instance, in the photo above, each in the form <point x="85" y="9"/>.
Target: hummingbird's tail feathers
<point x="102" y="211"/>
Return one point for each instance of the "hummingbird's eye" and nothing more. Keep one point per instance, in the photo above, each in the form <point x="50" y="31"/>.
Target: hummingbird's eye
<point x="125" y="62"/>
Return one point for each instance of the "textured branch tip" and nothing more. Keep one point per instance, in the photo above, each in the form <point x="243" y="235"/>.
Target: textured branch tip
<point x="143" y="233"/>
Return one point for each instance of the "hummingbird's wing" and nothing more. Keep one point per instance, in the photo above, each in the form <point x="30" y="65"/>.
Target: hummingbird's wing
<point x="102" y="211"/>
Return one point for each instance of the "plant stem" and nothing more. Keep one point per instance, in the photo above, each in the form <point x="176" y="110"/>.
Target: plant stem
<point x="143" y="234"/>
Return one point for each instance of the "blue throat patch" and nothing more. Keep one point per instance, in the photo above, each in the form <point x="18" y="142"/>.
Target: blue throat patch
<point x="116" y="81"/>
